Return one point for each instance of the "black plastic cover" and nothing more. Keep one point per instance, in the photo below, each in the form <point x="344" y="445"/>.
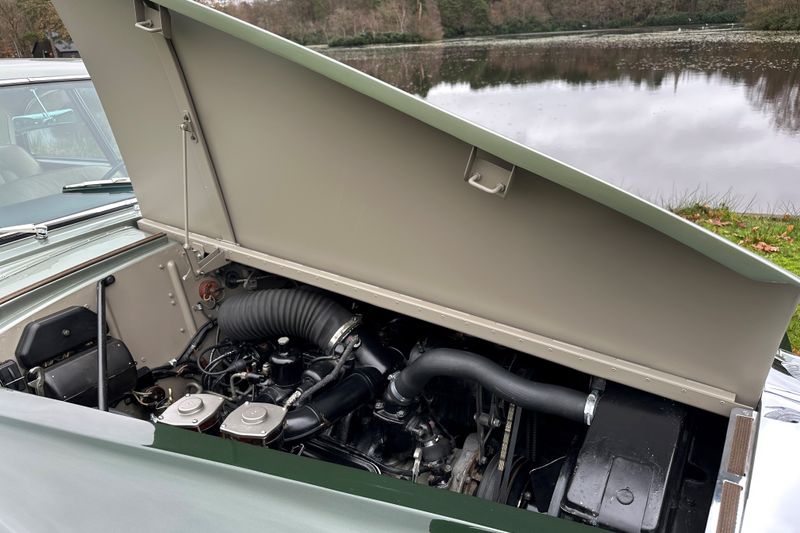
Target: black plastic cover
<point x="629" y="463"/>
<point x="45" y="338"/>
<point x="75" y="378"/>
<point x="10" y="375"/>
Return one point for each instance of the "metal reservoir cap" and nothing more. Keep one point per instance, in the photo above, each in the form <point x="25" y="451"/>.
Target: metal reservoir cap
<point x="195" y="411"/>
<point x="254" y="421"/>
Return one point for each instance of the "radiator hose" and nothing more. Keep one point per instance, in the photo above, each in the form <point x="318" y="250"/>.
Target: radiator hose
<point x="540" y="397"/>
<point x="319" y="319"/>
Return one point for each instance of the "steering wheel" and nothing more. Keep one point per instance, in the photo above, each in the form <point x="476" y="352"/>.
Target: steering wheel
<point x="119" y="165"/>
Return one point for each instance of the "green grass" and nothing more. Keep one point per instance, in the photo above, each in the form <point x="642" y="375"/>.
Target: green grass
<point x="776" y="238"/>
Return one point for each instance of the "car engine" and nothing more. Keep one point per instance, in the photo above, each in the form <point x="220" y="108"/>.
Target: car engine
<point x="294" y="368"/>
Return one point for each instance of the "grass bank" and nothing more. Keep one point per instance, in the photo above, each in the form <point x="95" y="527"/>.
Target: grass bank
<point x="775" y="238"/>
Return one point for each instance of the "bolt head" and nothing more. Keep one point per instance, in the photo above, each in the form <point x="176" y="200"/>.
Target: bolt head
<point x="161" y="417"/>
<point x="625" y="496"/>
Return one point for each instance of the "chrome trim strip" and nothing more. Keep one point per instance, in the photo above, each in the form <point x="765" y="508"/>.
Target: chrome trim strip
<point x="75" y="217"/>
<point x="725" y="476"/>
<point x="47" y="79"/>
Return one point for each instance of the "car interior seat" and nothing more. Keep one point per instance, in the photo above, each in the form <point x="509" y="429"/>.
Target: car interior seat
<point x="16" y="163"/>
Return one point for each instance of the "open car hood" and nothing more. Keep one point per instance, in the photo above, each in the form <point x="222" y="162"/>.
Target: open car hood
<point x="338" y="179"/>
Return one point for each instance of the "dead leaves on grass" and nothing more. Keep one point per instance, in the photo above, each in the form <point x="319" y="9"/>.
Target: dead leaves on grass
<point x="761" y="246"/>
<point x="769" y="236"/>
<point x="718" y="223"/>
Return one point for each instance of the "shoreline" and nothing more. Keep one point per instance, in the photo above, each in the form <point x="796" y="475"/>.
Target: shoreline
<point x="622" y="30"/>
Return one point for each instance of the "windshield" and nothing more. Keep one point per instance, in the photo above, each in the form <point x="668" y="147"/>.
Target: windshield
<point x="53" y="135"/>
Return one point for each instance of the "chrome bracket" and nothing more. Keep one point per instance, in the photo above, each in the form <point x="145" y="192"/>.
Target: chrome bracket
<point x="202" y="262"/>
<point x="37" y="383"/>
<point x="187" y="126"/>
<point x="488" y="176"/>
<point x="142" y="21"/>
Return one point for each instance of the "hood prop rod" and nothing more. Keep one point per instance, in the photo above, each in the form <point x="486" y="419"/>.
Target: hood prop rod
<point x="102" y="362"/>
<point x="185" y="128"/>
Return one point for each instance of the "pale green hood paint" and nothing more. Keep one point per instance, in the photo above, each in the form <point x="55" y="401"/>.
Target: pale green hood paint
<point x="724" y="252"/>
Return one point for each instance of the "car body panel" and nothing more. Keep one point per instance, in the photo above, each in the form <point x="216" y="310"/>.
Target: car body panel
<point x="40" y="70"/>
<point x="300" y="158"/>
<point x="65" y="251"/>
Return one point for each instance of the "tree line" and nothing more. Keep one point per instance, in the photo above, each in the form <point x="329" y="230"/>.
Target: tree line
<point x="354" y="22"/>
<point x="365" y="21"/>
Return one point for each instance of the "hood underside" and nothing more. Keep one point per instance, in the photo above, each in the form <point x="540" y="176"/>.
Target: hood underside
<point x="332" y="175"/>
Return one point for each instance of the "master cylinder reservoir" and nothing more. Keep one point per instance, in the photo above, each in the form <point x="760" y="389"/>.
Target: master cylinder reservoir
<point x="255" y="423"/>
<point x="198" y="412"/>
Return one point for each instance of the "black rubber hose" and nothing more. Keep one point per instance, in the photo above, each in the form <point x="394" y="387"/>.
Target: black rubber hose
<point x="359" y="387"/>
<point x="298" y="313"/>
<point x="541" y="397"/>
<point x="276" y="312"/>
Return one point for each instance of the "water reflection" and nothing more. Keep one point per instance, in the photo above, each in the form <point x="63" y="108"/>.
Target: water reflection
<point x="664" y="115"/>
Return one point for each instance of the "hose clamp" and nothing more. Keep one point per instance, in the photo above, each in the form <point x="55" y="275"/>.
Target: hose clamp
<point x="589" y="407"/>
<point x="396" y="396"/>
<point x="344" y="330"/>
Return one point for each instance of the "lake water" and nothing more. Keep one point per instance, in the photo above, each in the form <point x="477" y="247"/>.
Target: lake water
<point x="671" y="116"/>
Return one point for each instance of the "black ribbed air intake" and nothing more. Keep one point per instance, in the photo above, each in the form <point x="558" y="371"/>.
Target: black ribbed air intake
<point x="277" y="312"/>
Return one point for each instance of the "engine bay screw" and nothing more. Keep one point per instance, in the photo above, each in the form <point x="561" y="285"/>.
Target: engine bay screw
<point x="65" y="332"/>
<point x="625" y="496"/>
<point x="496" y="422"/>
<point x="194" y="421"/>
<point x="379" y="405"/>
<point x="448" y="468"/>
<point x="161" y="417"/>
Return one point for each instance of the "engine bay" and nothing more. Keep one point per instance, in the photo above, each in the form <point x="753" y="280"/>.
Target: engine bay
<point x="291" y="367"/>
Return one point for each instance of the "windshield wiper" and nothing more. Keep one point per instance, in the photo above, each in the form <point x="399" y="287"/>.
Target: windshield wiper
<point x="113" y="184"/>
<point x="39" y="231"/>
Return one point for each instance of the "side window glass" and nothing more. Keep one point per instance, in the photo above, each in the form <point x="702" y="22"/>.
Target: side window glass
<point x="50" y="127"/>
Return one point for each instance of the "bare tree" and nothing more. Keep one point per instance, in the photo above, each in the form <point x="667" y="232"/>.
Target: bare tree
<point x="14" y="25"/>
